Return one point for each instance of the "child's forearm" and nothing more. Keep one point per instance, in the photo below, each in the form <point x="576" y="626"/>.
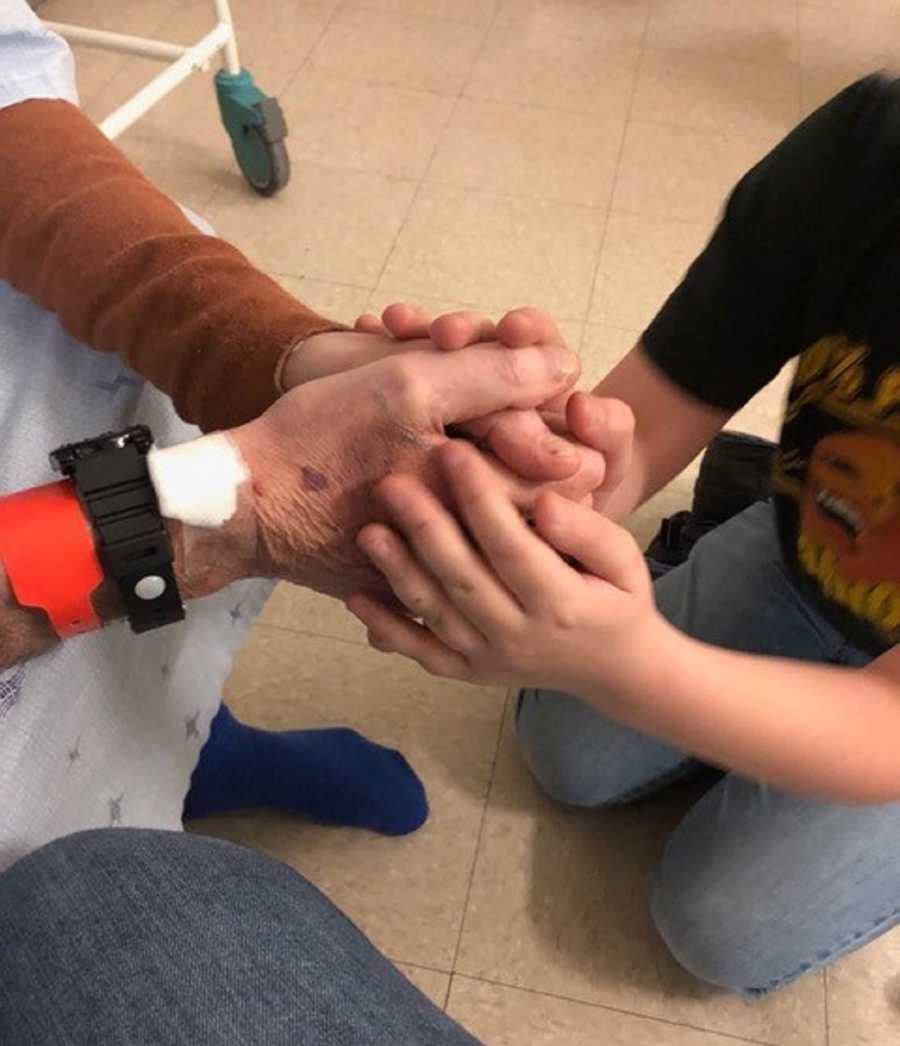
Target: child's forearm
<point x="833" y="733"/>
<point x="634" y="489"/>
<point x="671" y="428"/>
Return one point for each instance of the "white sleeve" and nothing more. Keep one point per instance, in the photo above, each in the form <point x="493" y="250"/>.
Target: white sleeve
<point x="34" y="63"/>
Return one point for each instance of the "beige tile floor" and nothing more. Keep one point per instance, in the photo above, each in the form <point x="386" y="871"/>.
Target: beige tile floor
<point x="571" y="154"/>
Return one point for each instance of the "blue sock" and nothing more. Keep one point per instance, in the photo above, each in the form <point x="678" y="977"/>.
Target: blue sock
<point x="332" y="776"/>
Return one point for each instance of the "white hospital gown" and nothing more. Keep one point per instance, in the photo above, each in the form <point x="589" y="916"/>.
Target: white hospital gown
<point x="106" y="729"/>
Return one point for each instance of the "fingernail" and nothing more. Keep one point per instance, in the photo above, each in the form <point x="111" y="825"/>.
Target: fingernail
<point x="565" y="362"/>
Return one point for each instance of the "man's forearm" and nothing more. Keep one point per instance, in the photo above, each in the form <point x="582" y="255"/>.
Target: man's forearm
<point x="818" y="730"/>
<point x="86" y="236"/>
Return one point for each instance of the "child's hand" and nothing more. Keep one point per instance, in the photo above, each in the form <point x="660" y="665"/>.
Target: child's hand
<point x="502" y="605"/>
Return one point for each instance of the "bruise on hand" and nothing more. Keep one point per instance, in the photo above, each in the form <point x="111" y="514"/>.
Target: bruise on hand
<point x="313" y="479"/>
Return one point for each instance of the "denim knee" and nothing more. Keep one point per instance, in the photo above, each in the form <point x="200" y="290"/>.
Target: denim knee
<point x="550" y="730"/>
<point x="712" y="933"/>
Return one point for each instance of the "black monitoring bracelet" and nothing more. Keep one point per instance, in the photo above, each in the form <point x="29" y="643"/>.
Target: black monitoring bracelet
<point x="113" y="483"/>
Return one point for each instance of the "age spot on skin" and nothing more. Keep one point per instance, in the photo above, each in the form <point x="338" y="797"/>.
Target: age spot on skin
<point x="313" y="479"/>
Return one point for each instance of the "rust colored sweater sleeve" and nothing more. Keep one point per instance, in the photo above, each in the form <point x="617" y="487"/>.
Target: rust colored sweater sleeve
<point x="85" y="235"/>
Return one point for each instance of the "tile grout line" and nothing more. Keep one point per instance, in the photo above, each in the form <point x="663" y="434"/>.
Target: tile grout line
<point x="582" y="335"/>
<point x="315" y="279"/>
<point x="437" y="144"/>
<point x="482" y="192"/>
<point x="417" y="965"/>
<point x="560" y="34"/>
<point x="740" y="1039"/>
<point x="479" y="839"/>
<point x="626" y="212"/>
<point x="307" y="58"/>
<point x="696" y="129"/>
<point x="541" y="106"/>
<point x="306" y="633"/>
<point x="419" y="182"/>
<point x="615" y="180"/>
<point x="446" y="1001"/>
<point x="363" y="6"/>
<point x="825" y="1004"/>
<point x="555" y="201"/>
<point x="697" y="53"/>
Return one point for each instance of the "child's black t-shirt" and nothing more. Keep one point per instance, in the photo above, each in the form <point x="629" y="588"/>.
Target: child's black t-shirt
<point x="806" y="262"/>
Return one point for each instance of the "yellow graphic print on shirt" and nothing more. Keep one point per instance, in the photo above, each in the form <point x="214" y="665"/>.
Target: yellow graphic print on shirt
<point x="848" y="488"/>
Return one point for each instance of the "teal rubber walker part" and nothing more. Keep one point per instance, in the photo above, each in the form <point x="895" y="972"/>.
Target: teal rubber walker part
<point x="257" y="129"/>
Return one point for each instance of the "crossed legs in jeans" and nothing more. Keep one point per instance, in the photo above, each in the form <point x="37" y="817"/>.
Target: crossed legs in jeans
<point x="755" y="887"/>
<point x="129" y="937"/>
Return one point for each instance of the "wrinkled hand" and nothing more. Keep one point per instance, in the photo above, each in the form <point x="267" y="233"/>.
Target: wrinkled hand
<point x="316" y="454"/>
<point x="547" y="443"/>
<point x="592" y="425"/>
<point x="520" y="439"/>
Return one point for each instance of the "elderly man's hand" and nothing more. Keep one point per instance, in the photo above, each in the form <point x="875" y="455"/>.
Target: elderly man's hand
<point x="316" y="454"/>
<point x="521" y="439"/>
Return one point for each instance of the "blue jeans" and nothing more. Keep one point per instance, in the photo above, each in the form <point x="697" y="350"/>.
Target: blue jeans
<point x="127" y="937"/>
<point x="755" y="887"/>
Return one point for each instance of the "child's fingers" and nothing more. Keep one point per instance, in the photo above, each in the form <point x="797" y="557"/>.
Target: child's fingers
<point x="606" y="425"/>
<point x="393" y="634"/>
<point x="528" y="326"/>
<point x="404" y="322"/>
<point x="417" y="590"/>
<point x="523" y="441"/>
<point x="601" y="546"/>
<point x="525" y="564"/>
<point x="443" y="549"/>
<point x="369" y="324"/>
<point x="456" y="330"/>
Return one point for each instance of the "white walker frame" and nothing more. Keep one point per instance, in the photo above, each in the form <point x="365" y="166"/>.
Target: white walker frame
<point x="253" y="121"/>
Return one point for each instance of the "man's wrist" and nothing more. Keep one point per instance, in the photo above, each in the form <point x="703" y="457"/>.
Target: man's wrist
<point x="205" y="561"/>
<point x="206" y="499"/>
<point x="284" y="516"/>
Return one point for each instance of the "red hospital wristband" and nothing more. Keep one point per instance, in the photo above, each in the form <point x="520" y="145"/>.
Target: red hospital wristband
<point x="47" y="547"/>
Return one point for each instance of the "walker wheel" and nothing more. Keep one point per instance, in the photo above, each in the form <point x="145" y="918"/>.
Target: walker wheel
<point x="264" y="163"/>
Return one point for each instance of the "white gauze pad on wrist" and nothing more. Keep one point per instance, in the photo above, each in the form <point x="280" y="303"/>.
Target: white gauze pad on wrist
<point x="197" y="482"/>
